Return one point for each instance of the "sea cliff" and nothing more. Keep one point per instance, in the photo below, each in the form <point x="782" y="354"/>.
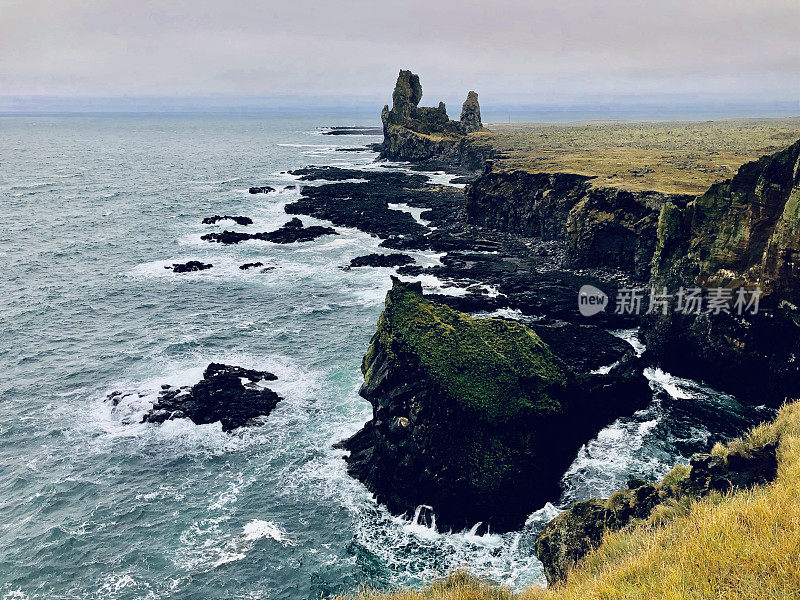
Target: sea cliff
<point x="476" y="418"/>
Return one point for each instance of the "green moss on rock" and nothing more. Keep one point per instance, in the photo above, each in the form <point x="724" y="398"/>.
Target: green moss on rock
<point x="496" y="369"/>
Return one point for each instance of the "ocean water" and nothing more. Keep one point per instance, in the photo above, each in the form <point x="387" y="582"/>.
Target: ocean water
<point x="94" y="504"/>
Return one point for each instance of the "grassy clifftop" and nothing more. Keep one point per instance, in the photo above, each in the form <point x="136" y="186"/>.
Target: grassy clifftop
<point x="667" y="157"/>
<point x="743" y="545"/>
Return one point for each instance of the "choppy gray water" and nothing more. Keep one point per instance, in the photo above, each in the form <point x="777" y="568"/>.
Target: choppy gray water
<point x="95" y="505"/>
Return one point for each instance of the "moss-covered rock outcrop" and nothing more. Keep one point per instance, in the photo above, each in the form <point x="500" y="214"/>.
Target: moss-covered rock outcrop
<point x="742" y="233"/>
<point x="477" y="418"/>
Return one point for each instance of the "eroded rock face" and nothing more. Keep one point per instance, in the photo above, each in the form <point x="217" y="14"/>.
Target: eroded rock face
<point x="577" y="531"/>
<point x="471" y="114"/>
<point x="219" y="396"/>
<point x="744" y="232"/>
<point x="604" y="227"/>
<point x="421" y="133"/>
<point x="477" y="418"/>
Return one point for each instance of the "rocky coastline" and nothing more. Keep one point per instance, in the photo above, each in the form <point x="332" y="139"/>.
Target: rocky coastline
<point x="479" y="418"/>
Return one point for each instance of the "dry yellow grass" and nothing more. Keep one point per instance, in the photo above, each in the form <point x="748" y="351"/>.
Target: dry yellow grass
<point x="672" y="157"/>
<point x="738" y="546"/>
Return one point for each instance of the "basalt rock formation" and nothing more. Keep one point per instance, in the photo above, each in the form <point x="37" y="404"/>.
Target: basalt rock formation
<point x="476" y="418"/>
<point x="577" y="531"/>
<point x="381" y="260"/>
<point x="238" y="220"/>
<point x="219" y="396"/>
<point x="291" y="232"/>
<point x="264" y="189"/>
<point x="422" y="133"/>
<point x="604" y="227"/>
<point x="189" y="267"/>
<point x="743" y="233"/>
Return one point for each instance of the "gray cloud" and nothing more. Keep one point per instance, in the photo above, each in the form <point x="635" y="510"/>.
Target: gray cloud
<point x="509" y="50"/>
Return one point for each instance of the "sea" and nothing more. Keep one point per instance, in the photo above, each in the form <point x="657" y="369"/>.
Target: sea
<point x="96" y="505"/>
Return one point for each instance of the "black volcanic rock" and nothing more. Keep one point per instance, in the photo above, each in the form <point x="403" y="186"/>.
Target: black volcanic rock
<point x="291" y="232"/>
<point x="477" y="418"/>
<point x="251" y="265"/>
<point x="294" y="231"/>
<point x="188" y="267"/>
<point x="422" y="133"/>
<point x="742" y="234"/>
<point x="237" y="220"/>
<point x="577" y="531"/>
<point x="530" y="274"/>
<point x="219" y="396"/>
<point x="264" y="189"/>
<point x="363" y="205"/>
<point x="381" y="260"/>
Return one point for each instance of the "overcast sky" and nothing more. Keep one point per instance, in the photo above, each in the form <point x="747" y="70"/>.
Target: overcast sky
<point x="510" y="51"/>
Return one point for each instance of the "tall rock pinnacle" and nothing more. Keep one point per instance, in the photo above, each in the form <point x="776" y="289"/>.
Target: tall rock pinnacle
<point x="471" y="114"/>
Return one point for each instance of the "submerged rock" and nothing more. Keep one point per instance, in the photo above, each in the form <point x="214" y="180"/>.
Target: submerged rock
<point x="219" y="396"/>
<point x="477" y="418"/>
<point x="291" y="232"/>
<point x="188" y="267"/>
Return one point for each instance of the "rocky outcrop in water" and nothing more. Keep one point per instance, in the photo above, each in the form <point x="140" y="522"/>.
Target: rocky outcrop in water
<point x="577" y="531"/>
<point x="422" y="133"/>
<point x="353" y="130"/>
<point x="743" y="233"/>
<point x="291" y="232"/>
<point x="381" y="260"/>
<point x="219" y="396"/>
<point x="235" y="219"/>
<point x="264" y="189"/>
<point x="251" y="265"/>
<point x="189" y="267"/>
<point x="477" y="418"/>
<point x="529" y="274"/>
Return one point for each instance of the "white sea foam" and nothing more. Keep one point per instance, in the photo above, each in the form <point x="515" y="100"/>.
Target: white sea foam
<point x="672" y="385"/>
<point x="258" y="530"/>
